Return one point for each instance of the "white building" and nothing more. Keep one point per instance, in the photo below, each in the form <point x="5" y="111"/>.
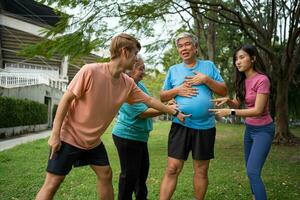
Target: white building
<point x="39" y="79"/>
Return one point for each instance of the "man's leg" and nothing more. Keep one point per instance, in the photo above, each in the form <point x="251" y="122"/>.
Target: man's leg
<point x="57" y="169"/>
<point x="104" y="182"/>
<point x="169" y="181"/>
<point x="50" y="186"/>
<point x="200" y="178"/>
<point x="202" y="151"/>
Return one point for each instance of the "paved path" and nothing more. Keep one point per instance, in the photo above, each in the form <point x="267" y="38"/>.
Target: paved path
<point x="10" y="143"/>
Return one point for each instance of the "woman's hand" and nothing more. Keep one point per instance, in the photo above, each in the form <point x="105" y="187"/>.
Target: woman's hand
<point x="221" y="112"/>
<point x="220" y="101"/>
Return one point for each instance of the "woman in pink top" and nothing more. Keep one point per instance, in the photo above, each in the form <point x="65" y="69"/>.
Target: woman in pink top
<point x="252" y="89"/>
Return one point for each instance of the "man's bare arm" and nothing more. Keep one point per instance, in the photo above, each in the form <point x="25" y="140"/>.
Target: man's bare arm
<point x="62" y="109"/>
<point x="153" y="103"/>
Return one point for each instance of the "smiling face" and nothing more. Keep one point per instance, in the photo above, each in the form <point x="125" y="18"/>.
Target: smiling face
<point x="187" y="49"/>
<point x="138" y="71"/>
<point x="243" y="61"/>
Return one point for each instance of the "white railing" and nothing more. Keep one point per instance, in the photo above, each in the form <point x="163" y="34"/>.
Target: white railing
<point x="10" y="78"/>
<point x="30" y="68"/>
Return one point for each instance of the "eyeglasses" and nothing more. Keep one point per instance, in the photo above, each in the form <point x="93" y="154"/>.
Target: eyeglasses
<point x="187" y="44"/>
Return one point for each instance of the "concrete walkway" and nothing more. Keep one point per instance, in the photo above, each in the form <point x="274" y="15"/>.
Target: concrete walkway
<point x="10" y="143"/>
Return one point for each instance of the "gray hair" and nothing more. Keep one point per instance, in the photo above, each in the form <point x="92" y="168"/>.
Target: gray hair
<point x="139" y="57"/>
<point x="187" y="35"/>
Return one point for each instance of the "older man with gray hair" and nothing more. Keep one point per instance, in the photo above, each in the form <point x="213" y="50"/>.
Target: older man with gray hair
<point x="192" y="84"/>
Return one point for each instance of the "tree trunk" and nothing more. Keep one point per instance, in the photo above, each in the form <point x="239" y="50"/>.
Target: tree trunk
<point x="211" y="41"/>
<point x="211" y="35"/>
<point x="198" y="29"/>
<point x="282" y="135"/>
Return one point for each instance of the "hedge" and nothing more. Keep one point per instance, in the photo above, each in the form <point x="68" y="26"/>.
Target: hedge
<point x="19" y="112"/>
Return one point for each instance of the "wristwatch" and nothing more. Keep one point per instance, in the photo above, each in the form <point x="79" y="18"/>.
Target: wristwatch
<point x="176" y="113"/>
<point x="232" y="112"/>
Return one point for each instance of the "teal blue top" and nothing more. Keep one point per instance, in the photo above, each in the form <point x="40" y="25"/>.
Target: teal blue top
<point x="129" y="125"/>
<point x="197" y="105"/>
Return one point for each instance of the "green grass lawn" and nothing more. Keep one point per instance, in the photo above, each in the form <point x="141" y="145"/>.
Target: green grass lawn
<point x="22" y="170"/>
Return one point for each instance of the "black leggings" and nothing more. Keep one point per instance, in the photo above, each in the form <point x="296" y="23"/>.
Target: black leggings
<point x="134" y="162"/>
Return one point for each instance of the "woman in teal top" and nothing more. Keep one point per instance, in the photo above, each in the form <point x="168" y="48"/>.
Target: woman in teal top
<point x="130" y="135"/>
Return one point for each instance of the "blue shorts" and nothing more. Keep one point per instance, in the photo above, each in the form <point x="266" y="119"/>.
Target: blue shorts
<point x="69" y="156"/>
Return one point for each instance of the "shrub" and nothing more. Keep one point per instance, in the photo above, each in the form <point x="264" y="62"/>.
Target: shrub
<point x="19" y="112"/>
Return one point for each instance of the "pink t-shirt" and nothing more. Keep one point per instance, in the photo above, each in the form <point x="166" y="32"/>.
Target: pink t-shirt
<point x="98" y="99"/>
<point x="258" y="84"/>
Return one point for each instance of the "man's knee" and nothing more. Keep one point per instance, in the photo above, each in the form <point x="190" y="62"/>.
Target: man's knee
<point x="201" y="174"/>
<point x="173" y="170"/>
<point x="105" y="173"/>
<point x="52" y="182"/>
<point x="201" y="170"/>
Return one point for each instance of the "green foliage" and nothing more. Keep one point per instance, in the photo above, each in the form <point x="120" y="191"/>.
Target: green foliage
<point x="170" y="57"/>
<point x="143" y="16"/>
<point x="75" y="35"/>
<point x="22" y="170"/>
<point x="61" y="45"/>
<point x="69" y="3"/>
<point x="236" y="22"/>
<point x="18" y="112"/>
<point x="154" y="82"/>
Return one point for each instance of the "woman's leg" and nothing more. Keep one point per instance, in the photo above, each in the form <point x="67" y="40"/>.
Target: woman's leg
<point x="130" y="161"/>
<point x="262" y="140"/>
<point x="248" y="141"/>
<point x="141" y="190"/>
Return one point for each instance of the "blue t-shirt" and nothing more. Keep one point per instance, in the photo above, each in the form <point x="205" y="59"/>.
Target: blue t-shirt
<point x="197" y="105"/>
<point x="129" y="125"/>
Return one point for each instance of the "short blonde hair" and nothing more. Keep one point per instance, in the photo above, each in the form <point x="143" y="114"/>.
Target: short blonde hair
<point x="120" y="41"/>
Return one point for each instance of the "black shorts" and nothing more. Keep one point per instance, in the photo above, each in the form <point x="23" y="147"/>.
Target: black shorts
<point x="182" y="140"/>
<point x="68" y="156"/>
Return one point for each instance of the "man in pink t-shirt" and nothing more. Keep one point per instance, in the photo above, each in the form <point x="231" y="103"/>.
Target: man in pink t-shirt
<point x="87" y="108"/>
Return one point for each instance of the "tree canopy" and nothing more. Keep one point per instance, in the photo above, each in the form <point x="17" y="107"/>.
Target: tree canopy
<point x="221" y="26"/>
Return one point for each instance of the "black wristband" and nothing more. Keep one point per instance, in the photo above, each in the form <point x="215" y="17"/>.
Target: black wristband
<point x="232" y="112"/>
<point x="176" y="113"/>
